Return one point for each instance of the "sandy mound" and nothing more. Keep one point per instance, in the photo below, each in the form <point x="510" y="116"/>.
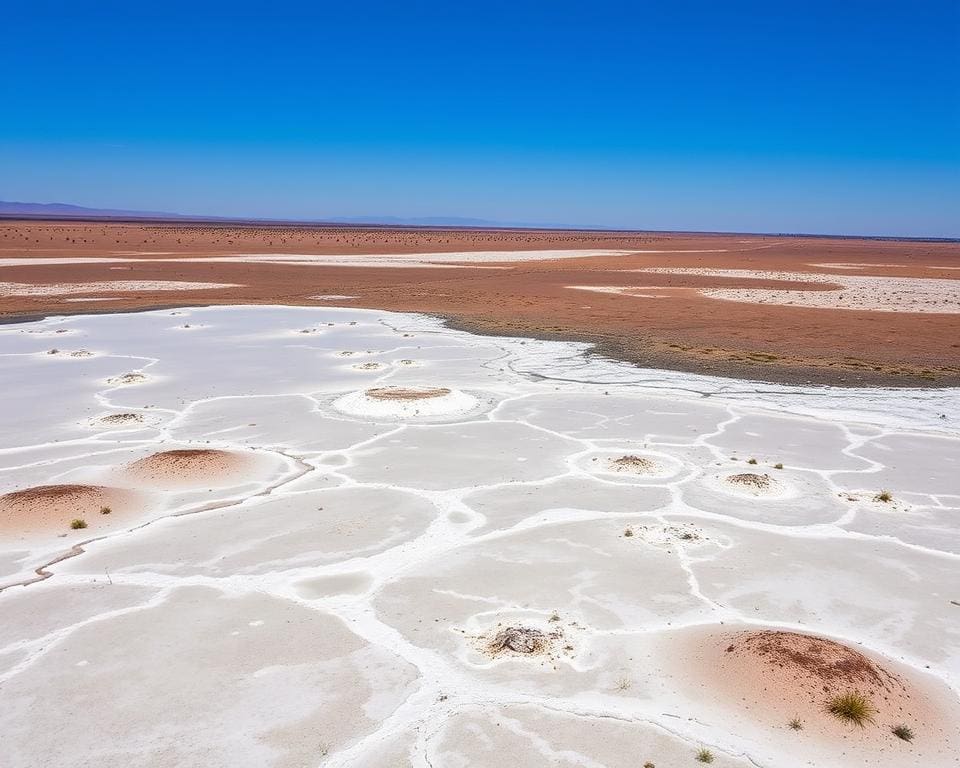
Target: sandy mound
<point x="752" y="484"/>
<point x="638" y="465"/>
<point x="751" y="481"/>
<point x="122" y="419"/>
<point x="780" y="677"/>
<point x="191" y="468"/>
<point x="400" y="393"/>
<point x="52" y="508"/>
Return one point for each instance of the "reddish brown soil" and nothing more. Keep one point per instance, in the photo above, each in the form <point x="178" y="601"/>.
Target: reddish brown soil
<point x="684" y="331"/>
<point x="826" y="663"/>
<point x="190" y="467"/>
<point x="772" y="677"/>
<point x="46" y="509"/>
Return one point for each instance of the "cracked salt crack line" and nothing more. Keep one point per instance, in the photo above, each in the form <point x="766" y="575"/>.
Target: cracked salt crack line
<point x="426" y="554"/>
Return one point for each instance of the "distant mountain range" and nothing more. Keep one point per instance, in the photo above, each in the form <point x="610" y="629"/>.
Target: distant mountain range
<point x="67" y="211"/>
<point x="63" y="210"/>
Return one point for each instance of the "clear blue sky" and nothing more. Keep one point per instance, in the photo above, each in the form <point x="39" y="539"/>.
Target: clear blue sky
<point x="753" y="116"/>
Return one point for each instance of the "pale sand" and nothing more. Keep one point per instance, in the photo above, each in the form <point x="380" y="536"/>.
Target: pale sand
<point x="120" y="286"/>
<point x="875" y="294"/>
<point x="449" y="260"/>
<point x="430" y="563"/>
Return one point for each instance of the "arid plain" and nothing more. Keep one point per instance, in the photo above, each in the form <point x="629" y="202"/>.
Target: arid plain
<point x="293" y="496"/>
<point x="898" y="332"/>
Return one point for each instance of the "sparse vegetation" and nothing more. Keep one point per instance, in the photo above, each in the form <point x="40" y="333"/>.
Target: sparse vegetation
<point x="778" y="465"/>
<point x="751" y="461"/>
<point x="796" y="724"/>
<point x="853" y="707"/>
<point x="623" y="684"/>
<point x="648" y="764"/>
<point x="903" y="732"/>
<point x="885" y="496"/>
<point x="704" y="756"/>
<point x="105" y="510"/>
<point x="628" y="532"/>
<point x="77" y="524"/>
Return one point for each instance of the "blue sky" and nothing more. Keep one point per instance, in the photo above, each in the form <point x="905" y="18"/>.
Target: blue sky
<point x="839" y="117"/>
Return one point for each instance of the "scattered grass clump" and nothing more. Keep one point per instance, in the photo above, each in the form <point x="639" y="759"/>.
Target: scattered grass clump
<point x="885" y="496"/>
<point x="903" y="732"/>
<point x="751" y="461"/>
<point x="852" y="707"/>
<point x="78" y="524"/>
<point x="796" y="724"/>
<point x="105" y="510"/>
<point x="704" y="756"/>
<point x="623" y="684"/>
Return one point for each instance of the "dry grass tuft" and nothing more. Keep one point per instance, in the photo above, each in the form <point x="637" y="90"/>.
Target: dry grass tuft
<point x="903" y="732"/>
<point x="853" y="707"/>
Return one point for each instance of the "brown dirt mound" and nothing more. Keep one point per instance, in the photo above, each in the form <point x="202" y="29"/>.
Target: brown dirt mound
<point x="190" y="467"/>
<point x="399" y="393"/>
<point x="52" y="508"/>
<point x="826" y="663"/>
<point x="115" y="419"/>
<point x="752" y="481"/>
<point x="633" y="464"/>
<point x="776" y="676"/>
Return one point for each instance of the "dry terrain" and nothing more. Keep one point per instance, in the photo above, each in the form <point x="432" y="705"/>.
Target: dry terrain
<point x="787" y="309"/>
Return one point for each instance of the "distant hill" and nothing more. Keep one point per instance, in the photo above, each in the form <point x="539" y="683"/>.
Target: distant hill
<point x="64" y="210"/>
<point x="67" y="211"/>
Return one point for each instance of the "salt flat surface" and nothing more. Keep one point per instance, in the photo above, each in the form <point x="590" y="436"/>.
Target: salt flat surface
<point x="330" y="513"/>
<point x="841" y="291"/>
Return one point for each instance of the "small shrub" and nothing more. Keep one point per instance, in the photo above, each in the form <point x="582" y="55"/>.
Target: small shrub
<point x="105" y="510"/>
<point x="751" y="461"/>
<point x="628" y="532"/>
<point x="778" y="465"/>
<point x="884" y="496"/>
<point x="903" y="732"/>
<point x="648" y="764"/>
<point x="623" y="684"/>
<point x="78" y="524"/>
<point x="853" y="707"/>
<point x="704" y="756"/>
<point x="796" y="724"/>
